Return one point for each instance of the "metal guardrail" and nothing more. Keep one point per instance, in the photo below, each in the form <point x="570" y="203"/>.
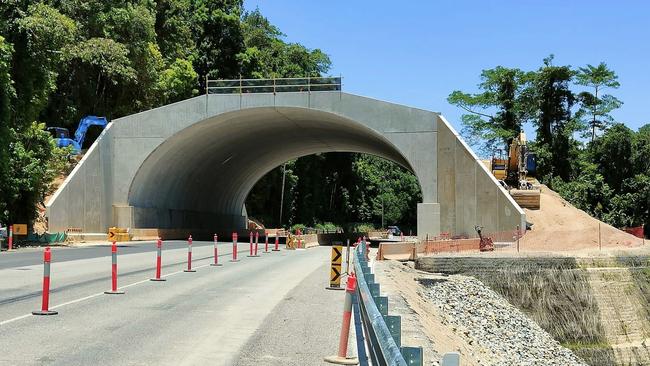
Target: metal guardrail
<point x="280" y="85"/>
<point x="381" y="332"/>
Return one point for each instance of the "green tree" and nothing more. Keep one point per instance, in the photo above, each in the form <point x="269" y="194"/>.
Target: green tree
<point x="174" y="29"/>
<point x="596" y="105"/>
<point x="178" y="82"/>
<point x="498" y="112"/>
<point x="217" y="34"/>
<point x="40" y="36"/>
<point x="612" y="153"/>
<point x="555" y="126"/>
<point x="98" y="70"/>
<point x="268" y="56"/>
<point x="33" y="162"/>
<point x="6" y="97"/>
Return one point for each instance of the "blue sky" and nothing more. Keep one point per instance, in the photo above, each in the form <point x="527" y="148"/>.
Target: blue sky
<point x="417" y="52"/>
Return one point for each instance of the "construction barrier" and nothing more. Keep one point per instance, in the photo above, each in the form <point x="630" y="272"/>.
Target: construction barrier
<point x="158" y="261"/>
<point x="45" y="303"/>
<point x="114" y="290"/>
<point x="335" y="268"/>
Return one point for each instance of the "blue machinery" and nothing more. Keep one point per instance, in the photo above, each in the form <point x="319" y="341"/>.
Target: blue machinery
<point x="62" y="135"/>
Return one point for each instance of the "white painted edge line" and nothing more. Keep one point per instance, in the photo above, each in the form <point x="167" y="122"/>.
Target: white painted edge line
<point x="102" y="293"/>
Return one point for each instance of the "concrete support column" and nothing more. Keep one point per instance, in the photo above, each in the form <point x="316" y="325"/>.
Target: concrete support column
<point x="428" y="220"/>
<point x="123" y="216"/>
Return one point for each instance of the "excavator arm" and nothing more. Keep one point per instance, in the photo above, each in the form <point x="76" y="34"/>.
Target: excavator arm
<point x="80" y="133"/>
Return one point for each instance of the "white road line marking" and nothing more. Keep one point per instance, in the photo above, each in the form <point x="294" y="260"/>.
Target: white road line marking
<point x="102" y="293"/>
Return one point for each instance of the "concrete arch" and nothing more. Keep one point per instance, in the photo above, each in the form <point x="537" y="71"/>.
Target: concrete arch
<point x="190" y="164"/>
<point x="214" y="179"/>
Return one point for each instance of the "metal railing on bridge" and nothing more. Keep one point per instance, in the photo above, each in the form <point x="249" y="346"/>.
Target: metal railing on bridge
<point x="280" y="85"/>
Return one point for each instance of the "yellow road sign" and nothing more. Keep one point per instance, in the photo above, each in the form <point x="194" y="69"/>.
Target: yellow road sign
<point x="335" y="271"/>
<point x="20" y="229"/>
<point x="112" y="234"/>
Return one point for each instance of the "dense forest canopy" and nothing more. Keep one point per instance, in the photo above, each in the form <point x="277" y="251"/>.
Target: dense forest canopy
<point x="593" y="161"/>
<point x="64" y="59"/>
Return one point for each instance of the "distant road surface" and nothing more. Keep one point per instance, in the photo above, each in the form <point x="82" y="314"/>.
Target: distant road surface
<point x="271" y="310"/>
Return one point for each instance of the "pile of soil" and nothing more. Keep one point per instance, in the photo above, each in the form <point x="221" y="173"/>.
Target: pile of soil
<point x="558" y="225"/>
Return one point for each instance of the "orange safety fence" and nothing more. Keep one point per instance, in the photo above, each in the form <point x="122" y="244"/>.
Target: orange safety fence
<point x="446" y="243"/>
<point x="636" y="231"/>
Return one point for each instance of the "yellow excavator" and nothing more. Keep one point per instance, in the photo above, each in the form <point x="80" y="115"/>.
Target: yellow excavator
<point x="516" y="172"/>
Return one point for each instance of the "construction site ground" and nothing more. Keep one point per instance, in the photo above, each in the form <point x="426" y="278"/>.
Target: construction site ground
<point x="559" y="226"/>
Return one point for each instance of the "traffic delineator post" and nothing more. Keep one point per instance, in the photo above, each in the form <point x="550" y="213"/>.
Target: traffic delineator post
<point x="266" y="243"/>
<point x="253" y="246"/>
<point x="10" y="243"/>
<point x="158" y="262"/>
<point x="45" y="303"/>
<point x="277" y="243"/>
<point x="189" y="256"/>
<point x="216" y="253"/>
<point x="114" y="290"/>
<point x="342" y="357"/>
<point x="234" y="248"/>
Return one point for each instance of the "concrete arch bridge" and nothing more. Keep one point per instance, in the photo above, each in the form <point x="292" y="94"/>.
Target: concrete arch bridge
<point x="191" y="164"/>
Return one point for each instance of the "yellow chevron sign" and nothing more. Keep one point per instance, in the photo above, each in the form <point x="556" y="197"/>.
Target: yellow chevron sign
<point x="335" y="271"/>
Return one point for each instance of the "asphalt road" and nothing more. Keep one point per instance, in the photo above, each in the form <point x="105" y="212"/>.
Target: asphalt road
<point x="31" y="256"/>
<point x="213" y="316"/>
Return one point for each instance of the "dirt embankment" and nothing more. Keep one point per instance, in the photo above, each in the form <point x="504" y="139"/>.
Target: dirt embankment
<point x="559" y="226"/>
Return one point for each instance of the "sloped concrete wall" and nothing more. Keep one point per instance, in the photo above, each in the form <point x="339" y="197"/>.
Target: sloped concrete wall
<point x="469" y="193"/>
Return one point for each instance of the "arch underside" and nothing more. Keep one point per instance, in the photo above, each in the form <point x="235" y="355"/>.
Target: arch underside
<point x="201" y="176"/>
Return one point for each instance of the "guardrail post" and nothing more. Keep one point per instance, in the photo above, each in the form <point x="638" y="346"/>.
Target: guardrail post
<point x="374" y="289"/>
<point x="394" y="323"/>
<point x="382" y="304"/>
<point x="450" y="359"/>
<point x="413" y="356"/>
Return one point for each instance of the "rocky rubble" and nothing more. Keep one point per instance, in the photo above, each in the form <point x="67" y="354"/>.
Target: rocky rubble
<point x="500" y="332"/>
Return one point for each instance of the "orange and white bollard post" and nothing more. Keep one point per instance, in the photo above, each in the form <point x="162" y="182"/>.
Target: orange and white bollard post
<point x="158" y="262"/>
<point x="277" y="243"/>
<point x="189" y="256"/>
<point x="253" y="246"/>
<point x="266" y="243"/>
<point x="114" y="290"/>
<point x="234" y="248"/>
<point x="10" y="243"/>
<point x="342" y="357"/>
<point x="45" y="304"/>
<point x="216" y="252"/>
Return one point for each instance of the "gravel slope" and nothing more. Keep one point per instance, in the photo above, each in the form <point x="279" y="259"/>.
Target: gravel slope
<point x="500" y="332"/>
